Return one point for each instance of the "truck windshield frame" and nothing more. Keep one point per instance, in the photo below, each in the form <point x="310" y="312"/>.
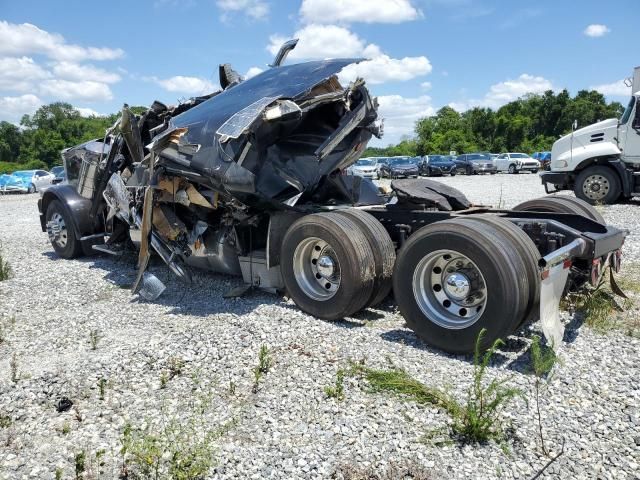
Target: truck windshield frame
<point x="627" y="112"/>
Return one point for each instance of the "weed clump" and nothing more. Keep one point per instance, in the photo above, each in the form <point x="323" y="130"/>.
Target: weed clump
<point x="603" y="307"/>
<point x="337" y="389"/>
<point x="94" y="339"/>
<point x="477" y="419"/>
<point x="263" y="367"/>
<point x="5" y="268"/>
<point x="543" y="359"/>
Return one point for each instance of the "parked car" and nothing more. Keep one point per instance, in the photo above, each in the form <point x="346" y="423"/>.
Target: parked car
<point x="544" y="158"/>
<point x="26" y="181"/>
<point x="436" y="165"/>
<point x="380" y="161"/>
<point x="364" y="167"/>
<point x="60" y="175"/>
<point x="399" y="167"/>
<point x="475" y="163"/>
<point x="517" y="162"/>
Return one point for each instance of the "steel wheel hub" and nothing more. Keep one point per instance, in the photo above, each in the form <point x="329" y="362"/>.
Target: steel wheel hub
<point x="457" y="285"/>
<point x="449" y="289"/>
<point x="596" y="187"/>
<point x="57" y="230"/>
<point x="316" y="269"/>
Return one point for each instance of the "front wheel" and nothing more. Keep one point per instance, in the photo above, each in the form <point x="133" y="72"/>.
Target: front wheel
<point x="60" y="231"/>
<point x="512" y="169"/>
<point x="598" y="185"/>
<point x="453" y="173"/>
<point x="31" y="189"/>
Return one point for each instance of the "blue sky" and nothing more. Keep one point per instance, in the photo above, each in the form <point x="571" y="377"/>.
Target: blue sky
<point x="424" y="53"/>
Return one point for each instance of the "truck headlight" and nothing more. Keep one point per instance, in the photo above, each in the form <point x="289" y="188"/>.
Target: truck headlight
<point x="560" y="164"/>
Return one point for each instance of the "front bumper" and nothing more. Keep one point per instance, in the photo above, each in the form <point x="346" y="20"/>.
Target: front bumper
<point x="373" y="175"/>
<point x="442" y="170"/>
<point x="404" y="173"/>
<point x="528" y="167"/>
<point x="13" y="189"/>
<point x="484" y="169"/>
<point x="555" y="181"/>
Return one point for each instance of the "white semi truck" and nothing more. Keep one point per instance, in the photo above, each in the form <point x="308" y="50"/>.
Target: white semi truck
<point x="600" y="162"/>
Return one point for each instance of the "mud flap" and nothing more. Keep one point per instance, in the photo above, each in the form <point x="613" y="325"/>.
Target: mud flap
<point x="552" y="288"/>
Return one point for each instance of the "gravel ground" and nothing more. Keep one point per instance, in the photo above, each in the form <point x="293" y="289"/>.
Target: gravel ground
<point x="187" y="360"/>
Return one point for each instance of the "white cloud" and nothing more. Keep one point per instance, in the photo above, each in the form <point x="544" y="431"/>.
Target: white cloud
<point x="252" y="72"/>
<point x="182" y="84"/>
<point x="348" y="11"/>
<point x="425" y="85"/>
<point x="87" y="112"/>
<point x="85" y="90"/>
<point x="384" y="69"/>
<point x="596" y="30"/>
<point x="19" y="74"/>
<point x="507" y="91"/>
<point x="615" y="89"/>
<point x="255" y="9"/>
<point x="12" y="108"/>
<point x="400" y="115"/>
<point x="319" y="42"/>
<point x="25" y="39"/>
<point x="74" y="71"/>
<point x="332" y="41"/>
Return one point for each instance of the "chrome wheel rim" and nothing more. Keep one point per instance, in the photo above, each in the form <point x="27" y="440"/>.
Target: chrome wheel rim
<point x="596" y="187"/>
<point x="57" y="230"/>
<point x="316" y="269"/>
<point x="449" y="289"/>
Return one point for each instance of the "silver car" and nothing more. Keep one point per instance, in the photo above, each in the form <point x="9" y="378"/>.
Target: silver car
<point x="365" y="167"/>
<point x="26" y="181"/>
<point x="516" y="162"/>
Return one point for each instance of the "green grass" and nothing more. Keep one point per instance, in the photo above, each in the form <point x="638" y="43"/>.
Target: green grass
<point x="94" y="339"/>
<point x="543" y="359"/>
<point x="102" y="387"/>
<point x="5" y="421"/>
<point x="5" y="269"/>
<point x="337" y="389"/>
<point x="180" y="449"/>
<point x="604" y="311"/>
<point x="264" y="365"/>
<point x="477" y="419"/>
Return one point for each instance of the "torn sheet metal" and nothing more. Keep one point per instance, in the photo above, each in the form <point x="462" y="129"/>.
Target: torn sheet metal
<point x="118" y="198"/>
<point x="242" y="120"/>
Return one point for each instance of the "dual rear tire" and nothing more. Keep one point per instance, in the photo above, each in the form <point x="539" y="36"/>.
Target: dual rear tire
<point x="335" y="264"/>
<point x="451" y="279"/>
<point x="456" y="277"/>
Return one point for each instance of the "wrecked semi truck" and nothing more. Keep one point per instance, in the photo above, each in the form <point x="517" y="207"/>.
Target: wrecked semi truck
<point x="249" y="181"/>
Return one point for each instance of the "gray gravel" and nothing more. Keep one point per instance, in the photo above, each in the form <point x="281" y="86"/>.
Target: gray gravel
<point x="288" y="428"/>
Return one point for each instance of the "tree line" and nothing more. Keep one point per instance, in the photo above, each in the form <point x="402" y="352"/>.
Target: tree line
<point x="531" y="123"/>
<point x="38" y="141"/>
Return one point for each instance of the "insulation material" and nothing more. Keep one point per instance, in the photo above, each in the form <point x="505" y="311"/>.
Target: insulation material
<point x="196" y="197"/>
<point x="166" y="223"/>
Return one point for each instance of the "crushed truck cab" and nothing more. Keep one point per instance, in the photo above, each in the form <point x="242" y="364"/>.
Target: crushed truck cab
<point x="249" y="181"/>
